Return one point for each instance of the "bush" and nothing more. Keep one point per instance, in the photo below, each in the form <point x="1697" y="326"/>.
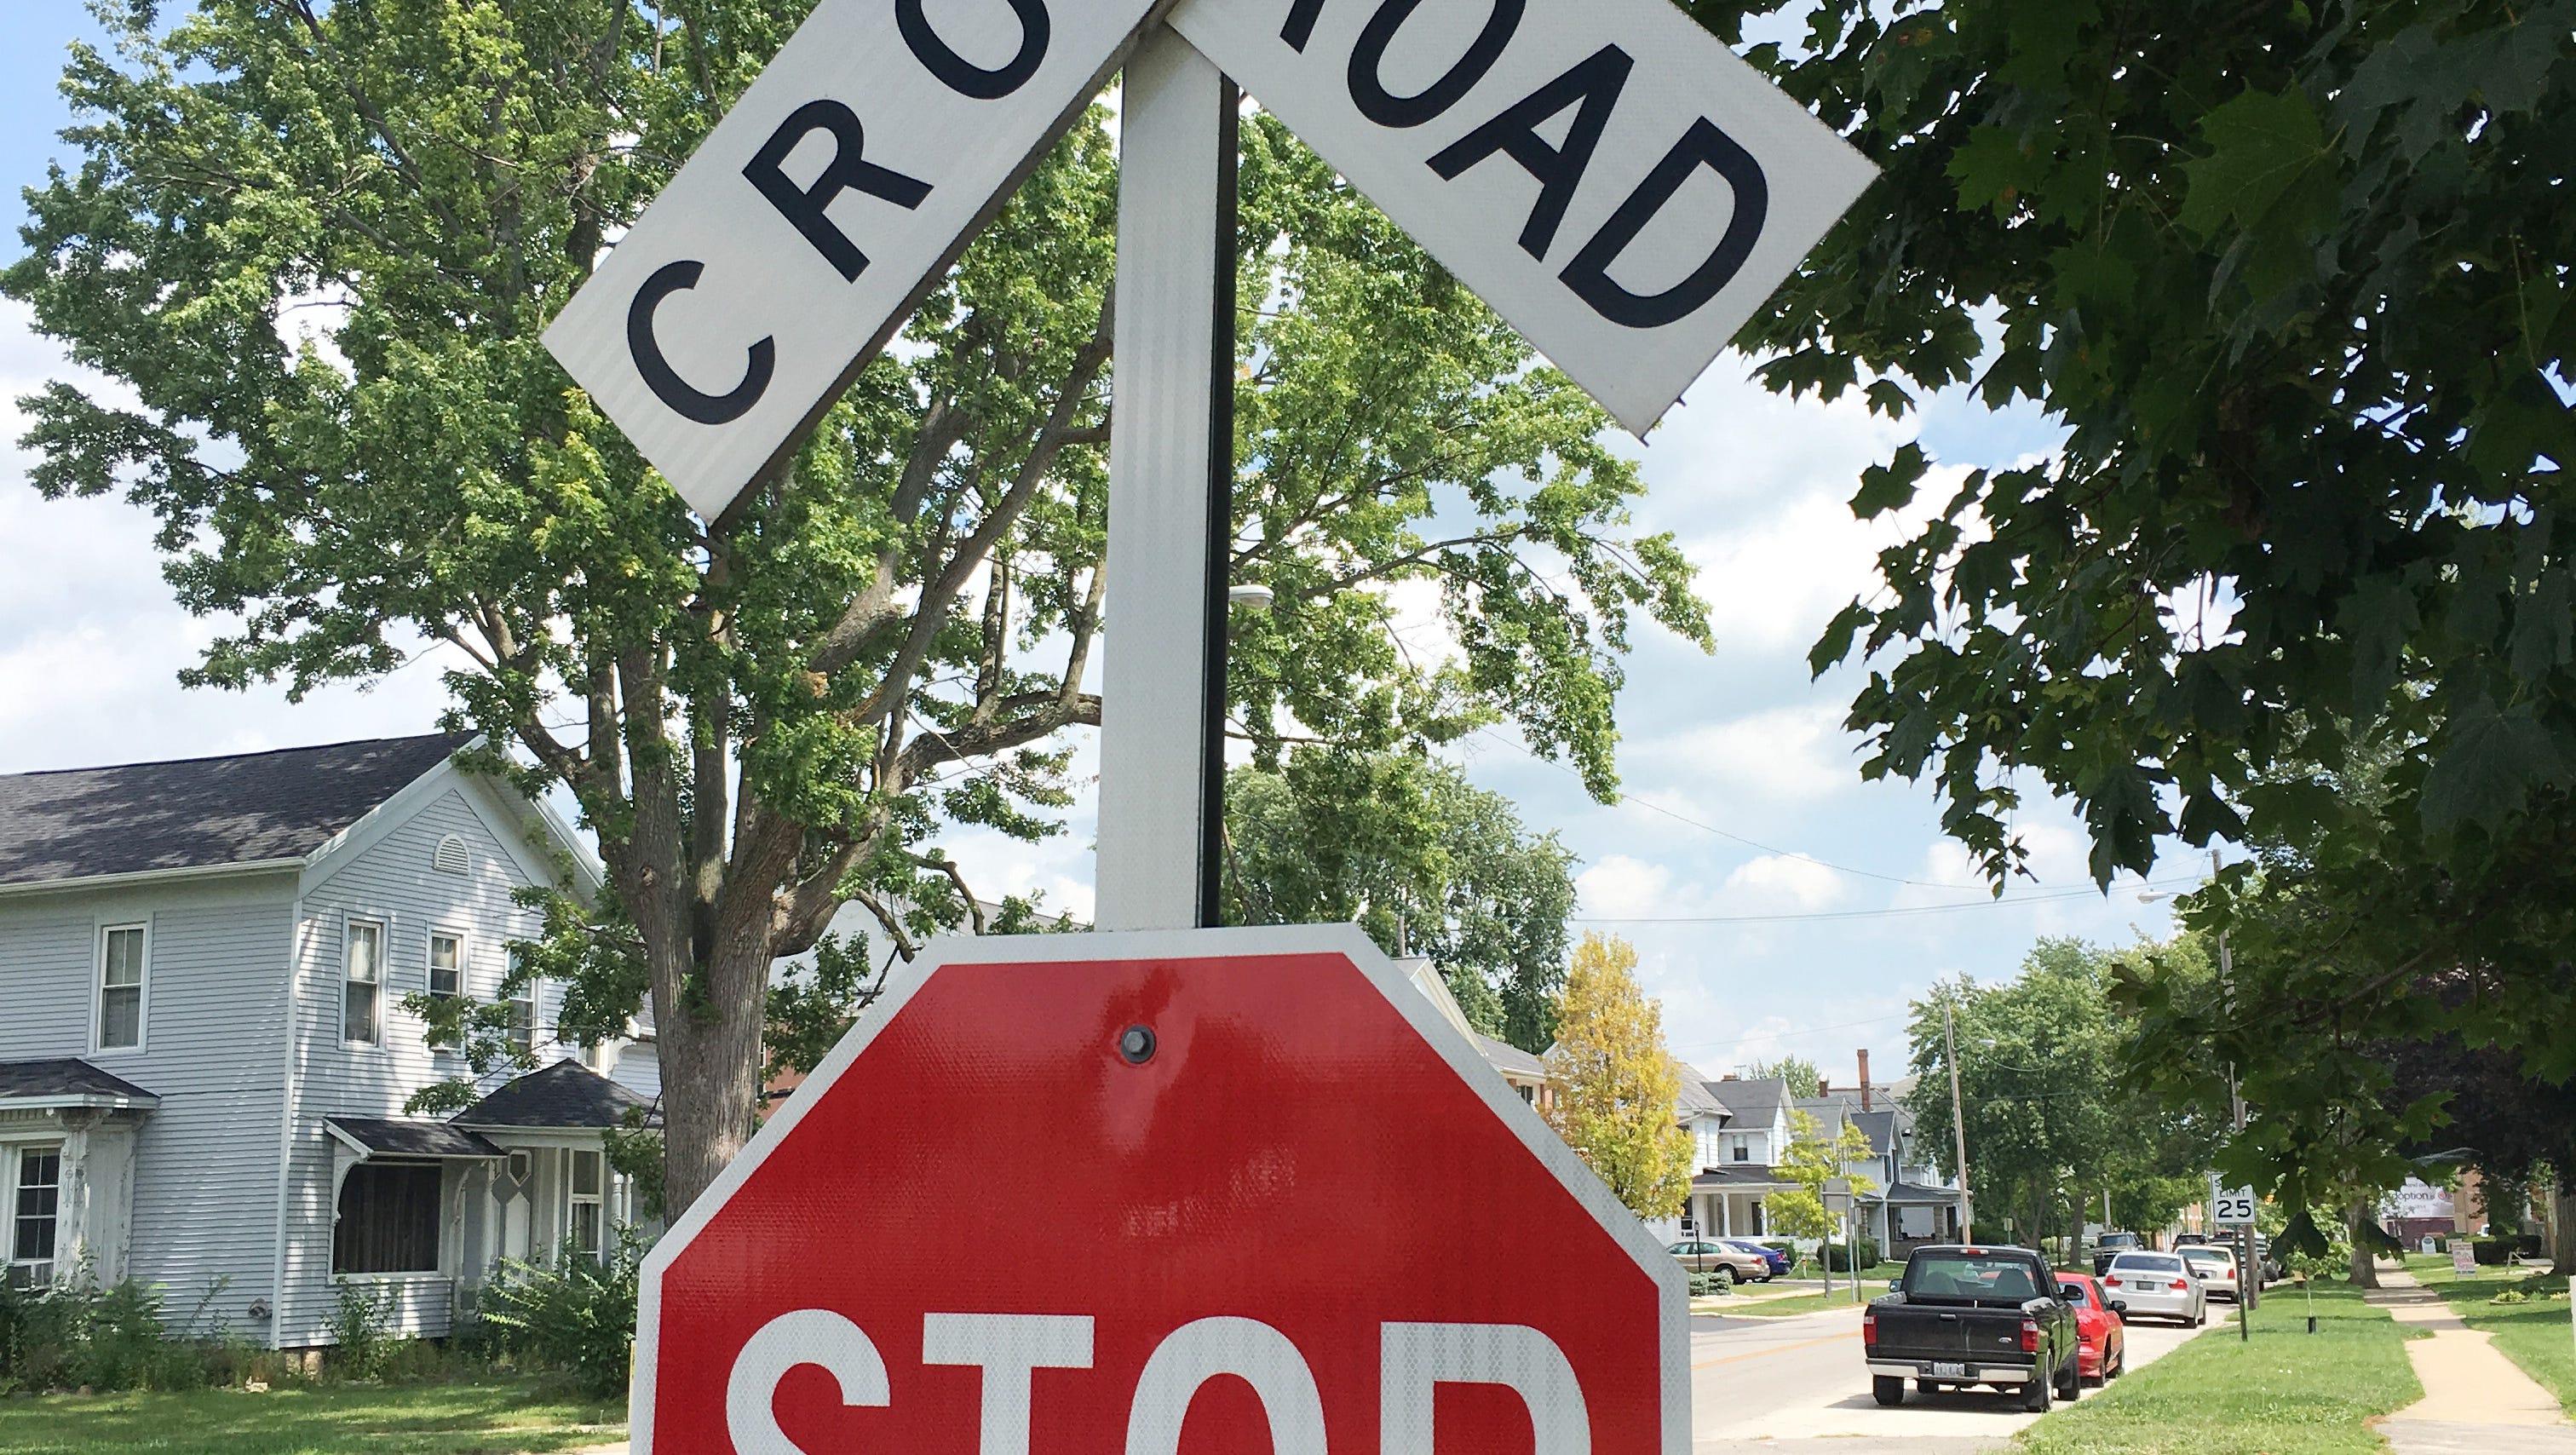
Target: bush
<point x="362" y="1332"/>
<point x="2492" y="1252"/>
<point x="1838" y="1256"/>
<point x="577" y="1317"/>
<point x="75" y="1334"/>
<point x="1706" y="1285"/>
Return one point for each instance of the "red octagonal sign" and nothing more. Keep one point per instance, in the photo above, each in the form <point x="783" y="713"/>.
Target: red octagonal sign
<point x="1239" y="1192"/>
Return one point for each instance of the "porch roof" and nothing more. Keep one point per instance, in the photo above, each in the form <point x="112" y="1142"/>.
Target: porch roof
<point x="1911" y="1192"/>
<point x="564" y="1096"/>
<point x="380" y="1137"/>
<point x="67" y="1081"/>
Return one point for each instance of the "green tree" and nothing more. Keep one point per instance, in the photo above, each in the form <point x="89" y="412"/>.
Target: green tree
<point x="1422" y="859"/>
<point x="1811" y="1161"/>
<point x="1618" y="1090"/>
<point x="1798" y="1074"/>
<point x="2052" y="1121"/>
<point x="763" y="718"/>
<point x="2294" y="279"/>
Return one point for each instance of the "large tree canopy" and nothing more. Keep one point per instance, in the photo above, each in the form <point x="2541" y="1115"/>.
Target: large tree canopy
<point x="764" y="720"/>
<point x="1404" y="846"/>
<point x="2294" y="280"/>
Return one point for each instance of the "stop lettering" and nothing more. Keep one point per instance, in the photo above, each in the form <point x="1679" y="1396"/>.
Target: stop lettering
<point x="1210" y="1193"/>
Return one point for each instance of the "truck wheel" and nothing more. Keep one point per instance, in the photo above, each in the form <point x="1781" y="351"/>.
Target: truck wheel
<point x="2070" y="1385"/>
<point x="1887" y="1390"/>
<point x="2034" y="1395"/>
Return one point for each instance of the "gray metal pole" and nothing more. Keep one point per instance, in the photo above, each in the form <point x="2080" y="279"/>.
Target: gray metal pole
<point x="1959" y="1129"/>
<point x="1162" y="744"/>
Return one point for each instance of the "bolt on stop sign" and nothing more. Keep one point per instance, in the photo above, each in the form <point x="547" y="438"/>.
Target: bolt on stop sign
<point x="1217" y="1192"/>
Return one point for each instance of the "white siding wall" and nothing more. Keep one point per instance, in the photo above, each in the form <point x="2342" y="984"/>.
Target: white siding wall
<point x="205" y="1162"/>
<point x="391" y="882"/>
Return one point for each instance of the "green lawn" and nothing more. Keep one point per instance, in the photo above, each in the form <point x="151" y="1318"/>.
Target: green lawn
<point x="481" y="1418"/>
<point x="2284" y="1394"/>
<point x="2535" y="1335"/>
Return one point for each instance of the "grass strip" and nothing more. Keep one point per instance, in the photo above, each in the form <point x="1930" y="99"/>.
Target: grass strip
<point x="1776" y="1308"/>
<point x="2285" y="1393"/>
<point x="485" y="1417"/>
<point x="2536" y="1335"/>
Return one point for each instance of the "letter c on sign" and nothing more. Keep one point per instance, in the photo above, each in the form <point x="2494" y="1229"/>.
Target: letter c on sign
<point x="807" y="1336"/>
<point x="665" y="382"/>
<point x="964" y="76"/>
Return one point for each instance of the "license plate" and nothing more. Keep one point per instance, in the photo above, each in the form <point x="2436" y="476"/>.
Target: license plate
<point x="1949" y="1371"/>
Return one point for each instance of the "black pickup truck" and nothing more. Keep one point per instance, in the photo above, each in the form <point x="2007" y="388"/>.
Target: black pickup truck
<point x="1966" y="1316"/>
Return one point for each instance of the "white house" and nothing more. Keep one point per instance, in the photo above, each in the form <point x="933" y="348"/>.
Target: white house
<point x="1743" y="1129"/>
<point x="204" y="1055"/>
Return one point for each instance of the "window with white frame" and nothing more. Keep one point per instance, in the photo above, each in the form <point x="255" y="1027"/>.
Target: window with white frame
<point x="120" y="987"/>
<point x="581" y="1233"/>
<point x="362" y="991"/>
<point x="35" y="1208"/>
<point x="523" y="1008"/>
<point x="446" y="963"/>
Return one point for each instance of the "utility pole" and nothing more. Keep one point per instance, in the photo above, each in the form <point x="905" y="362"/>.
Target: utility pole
<point x="1959" y="1128"/>
<point x="2249" y="1278"/>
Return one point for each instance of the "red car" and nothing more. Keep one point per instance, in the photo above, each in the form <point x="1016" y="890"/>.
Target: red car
<point x="2103" y="1352"/>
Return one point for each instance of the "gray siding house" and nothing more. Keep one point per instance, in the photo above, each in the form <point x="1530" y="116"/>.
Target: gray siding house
<point x="204" y="1056"/>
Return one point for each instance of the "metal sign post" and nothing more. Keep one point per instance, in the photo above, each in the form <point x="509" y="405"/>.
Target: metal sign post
<point x="1171" y="476"/>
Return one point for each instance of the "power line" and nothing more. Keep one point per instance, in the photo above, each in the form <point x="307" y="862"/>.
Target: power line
<point x="1803" y="1031"/>
<point x="2059" y="896"/>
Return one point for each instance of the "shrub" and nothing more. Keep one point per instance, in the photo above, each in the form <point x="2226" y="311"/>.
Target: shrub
<point x="577" y="1317"/>
<point x="1838" y="1256"/>
<point x="362" y="1332"/>
<point x="1706" y="1285"/>
<point x="2492" y="1252"/>
<point x="74" y="1333"/>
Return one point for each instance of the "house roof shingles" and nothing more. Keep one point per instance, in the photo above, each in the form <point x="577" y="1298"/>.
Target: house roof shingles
<point x="386" y="1138"/>
<point x="1509" y="1059"/>
<point x="1754" y="1101"/>
<point x="199" y="813"/>
<point x="63" y="1078"/>
<point x="565" y="1094"/>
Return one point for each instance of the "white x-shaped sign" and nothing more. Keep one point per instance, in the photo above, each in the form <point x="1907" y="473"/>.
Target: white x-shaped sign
<point x="1607" y="175"/>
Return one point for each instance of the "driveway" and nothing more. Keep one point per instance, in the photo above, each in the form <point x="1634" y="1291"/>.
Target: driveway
<point x="1796" y="1386"/>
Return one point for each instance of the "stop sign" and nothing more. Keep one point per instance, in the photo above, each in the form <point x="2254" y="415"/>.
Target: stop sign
<point x="1217" y="1192"/>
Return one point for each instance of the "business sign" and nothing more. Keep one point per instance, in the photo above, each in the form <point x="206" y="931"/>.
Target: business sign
<point x="815" y="217"/>
<point x="1605" y="173"/>
<point x="2229" y="1206"/>
<point x="2417" y="1200"/>
<point x="1246" y="1183"/>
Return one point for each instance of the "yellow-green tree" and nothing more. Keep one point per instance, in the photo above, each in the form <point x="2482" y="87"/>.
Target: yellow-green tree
<point x="1618" y="1095"/>
<point x="1811" y="1161"/>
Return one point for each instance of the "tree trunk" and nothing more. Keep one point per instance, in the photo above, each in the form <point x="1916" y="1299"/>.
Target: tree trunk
<point x="711" y="1063"/>
<point x="2562" y="1225"/>
<point x="2365" y="1258"/>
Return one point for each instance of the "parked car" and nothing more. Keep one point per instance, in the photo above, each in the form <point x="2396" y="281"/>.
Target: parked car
<point x="1728" y="1264"/>
<point x="2157" y="1285"/>
<point x="1776" y="1259"/>
<point x="2099" y="1322"/>
<point x="2112" y="1246"/>
<point x="2215" y="1267"/>
<point x="1964" y="1316"/>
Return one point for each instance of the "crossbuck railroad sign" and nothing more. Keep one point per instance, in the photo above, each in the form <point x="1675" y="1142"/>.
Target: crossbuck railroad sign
<point x="1216" y="1192"/>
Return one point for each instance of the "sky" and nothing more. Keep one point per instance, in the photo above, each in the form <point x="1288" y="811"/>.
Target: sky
<point x="1779" y="904"/>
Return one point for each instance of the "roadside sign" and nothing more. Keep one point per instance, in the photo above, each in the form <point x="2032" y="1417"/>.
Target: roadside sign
<point x="2464" y="1257"/>
<point x="814" y="218"/>
<point x="1070" y="1183"/>
<point x="2230" y="1206"/>
<point x="1605" y="173"/>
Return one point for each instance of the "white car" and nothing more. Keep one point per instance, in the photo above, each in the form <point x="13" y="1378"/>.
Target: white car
<point x="2215" y="1267"/>
<point x="2157" y="1286"/>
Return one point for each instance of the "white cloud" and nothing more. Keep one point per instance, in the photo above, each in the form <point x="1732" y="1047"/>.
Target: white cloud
<point x="1779" y="883"/>
<point x="1620" y="888"/>
<point x="1793" y="755"/>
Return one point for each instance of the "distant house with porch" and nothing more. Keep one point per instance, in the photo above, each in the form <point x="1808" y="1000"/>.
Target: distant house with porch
<point x="204" y="1053"/>
<point x="1742" y="1128"/>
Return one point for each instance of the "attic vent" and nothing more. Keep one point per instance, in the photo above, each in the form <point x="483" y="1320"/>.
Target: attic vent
<point x="450" y="856"/>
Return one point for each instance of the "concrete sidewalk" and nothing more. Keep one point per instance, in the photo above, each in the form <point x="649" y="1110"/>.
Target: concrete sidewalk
<point x="2476" y="1401"/>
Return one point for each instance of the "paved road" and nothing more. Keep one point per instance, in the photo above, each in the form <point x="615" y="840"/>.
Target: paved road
<point x="1795" y="1386"/>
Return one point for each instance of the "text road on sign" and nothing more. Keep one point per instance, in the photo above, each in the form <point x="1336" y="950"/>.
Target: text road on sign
<point x="812" y="220"/>
<point x="1073" y="1185"/>
<point x="1605" y="173"/>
